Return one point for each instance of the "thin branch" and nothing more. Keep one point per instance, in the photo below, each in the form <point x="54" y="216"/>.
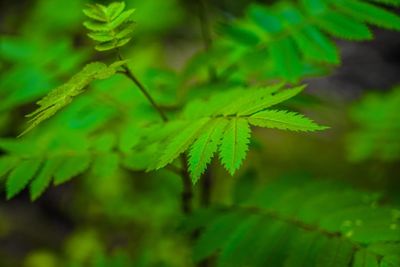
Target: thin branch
<point x="206" y="180"/>
<point x="143" y="89"/>
<point x="187" y="192"/>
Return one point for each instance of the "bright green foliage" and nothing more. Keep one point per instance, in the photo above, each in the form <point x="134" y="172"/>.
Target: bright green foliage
<point x="71" y="167"/>
<point x="21" y="175"/>
<point x="224" y="124"/>
<point x="30" y="73"/>
<point x="111" y="26"/>
<point x="111" y="134"/>
<point x="283" y="120"/>
<point x="64" y="94"/>
<point x="378" y="128"/>
<point x="234" y="144"/>
<point x="56" y="162"/>
<point x="204" y="147"/>
<point x="296" y="35"/>
<point x="301" y="223"/>
<point x="43" y="179"/>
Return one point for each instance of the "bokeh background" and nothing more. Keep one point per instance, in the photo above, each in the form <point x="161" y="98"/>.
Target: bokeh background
<point x="128" y="218"/>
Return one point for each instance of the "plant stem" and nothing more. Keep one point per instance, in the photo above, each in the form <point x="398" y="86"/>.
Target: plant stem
<point x="206" y="180"/>
<point x="187" y="192"/>
<point x="141" y="87"/>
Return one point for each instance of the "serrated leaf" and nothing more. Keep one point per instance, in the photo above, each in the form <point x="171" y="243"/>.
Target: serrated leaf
<point x="70" y="167"/>
<point x="43" y="179"/>
<point x="21" y="175"/>
<point x="234" y="144"/>
<point x="284" y="120"/>
<point x="370" y="13"/>
<point x="268" y="101"/>
<point x="64" y="94"/>
<point x="204" y="148"/>
<point x="343" y="26"/>
<point x="180" y="142"/>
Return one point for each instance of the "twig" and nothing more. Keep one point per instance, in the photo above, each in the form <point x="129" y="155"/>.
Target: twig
<point x="187" y="192"/>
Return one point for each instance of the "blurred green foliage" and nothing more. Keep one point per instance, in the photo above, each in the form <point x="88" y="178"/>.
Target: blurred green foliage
<point x="116" y="214"/>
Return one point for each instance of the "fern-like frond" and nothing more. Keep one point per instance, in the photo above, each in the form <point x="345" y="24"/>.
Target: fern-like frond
<point x="64" y="94"/>
<point x="284" y="120"/>
<point x="55" y="161"/>
<point x="225" y="124"/>
<point x="297" y="34"/>
<point x="294" y="224"/>
<point x="111" y="26"/>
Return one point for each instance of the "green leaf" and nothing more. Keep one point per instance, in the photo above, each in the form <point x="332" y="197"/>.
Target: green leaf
<point x="266" y="20"/>
<point x="105" y="165"/>
<point x="214" y="237"/>
<point x="113" y="31"/>
<point x="304" y="249"/>
<point x="180" y="142"/>
<point x="115" y="9"/>
<point x="234" y="144"/>
<point x="21" y="175"/>
<point x="269" y="100"/>
<point x="343" y="26"/>
<point x="101" y="36"/>
<point x="284" y="120"/>
<point x="363" y="258"/>
<point x="123" y="17"/>
<point x="286" y="59"/>
<point x="236" y="241"/>
<point x="126" y="30"/>
<point x="316" y="46"/>
<point x="204" y="147"/>
<point x="70" y="167"/>
<point x="43" y="179"/>
<point x="95" y="12"/>
<point x="64" y="94"/>
<point x="240" y="34"/>
<point x="335" y="253"/>
<point x="7" y="163"/>
<point x="369" y="13"/>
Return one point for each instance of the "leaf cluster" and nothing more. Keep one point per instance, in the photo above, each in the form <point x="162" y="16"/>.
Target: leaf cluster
<point x="296" y="37"/>
<point x="224" y="127"/>
<point x="110" y="25"/>
<point x="300" y="223"/>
